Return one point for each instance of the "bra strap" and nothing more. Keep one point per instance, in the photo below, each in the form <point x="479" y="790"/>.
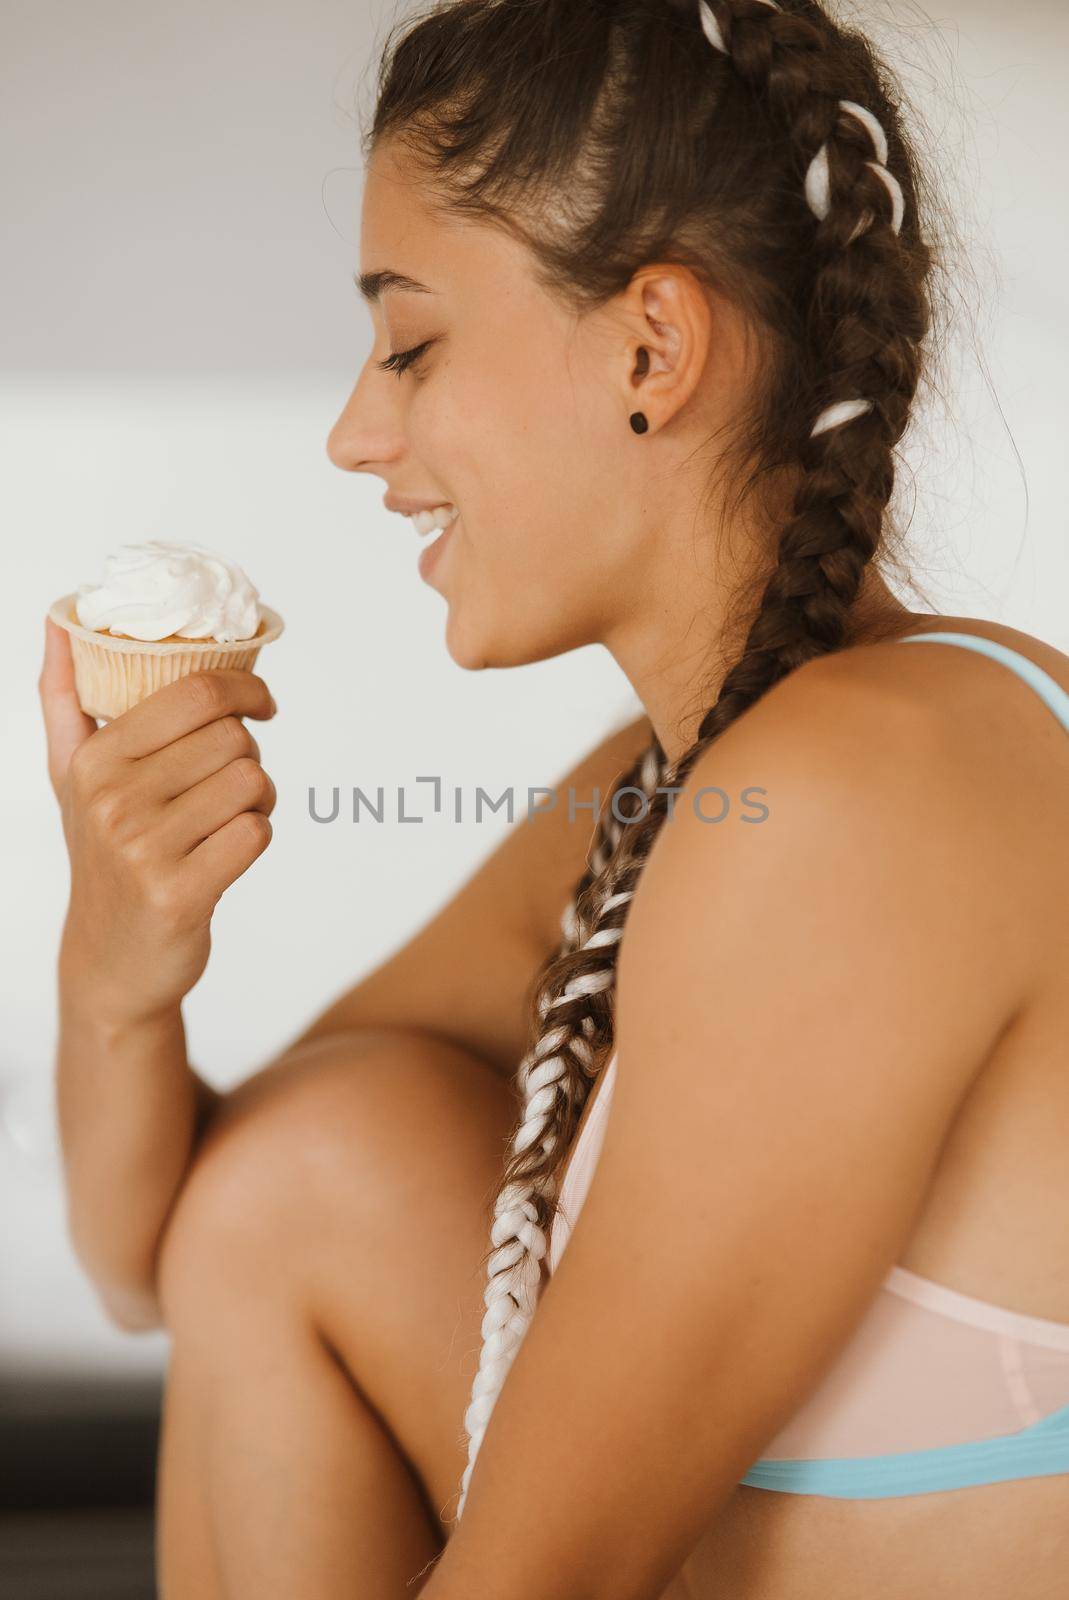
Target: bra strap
<point x="1051" y="693"/>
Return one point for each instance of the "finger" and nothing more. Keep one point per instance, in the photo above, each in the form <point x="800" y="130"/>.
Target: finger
<point x="190" y="702"/>
<point x="221" y="859"/>
<point x="180" y="766"/>
<point x="213" y="803"/>
<point x="66" y="724"/>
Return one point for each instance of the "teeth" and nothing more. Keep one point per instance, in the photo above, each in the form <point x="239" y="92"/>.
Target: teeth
<point x="426" y="521"/>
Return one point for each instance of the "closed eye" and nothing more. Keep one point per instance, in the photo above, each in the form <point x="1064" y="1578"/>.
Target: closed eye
<point x="402" y="360"/>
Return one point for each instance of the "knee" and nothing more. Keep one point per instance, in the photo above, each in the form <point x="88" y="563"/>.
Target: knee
<point x="330" y="1136"/>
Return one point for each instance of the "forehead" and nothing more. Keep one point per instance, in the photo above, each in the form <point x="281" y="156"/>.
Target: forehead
<point x="396" y="215"/>
<point x="405" y="237"/>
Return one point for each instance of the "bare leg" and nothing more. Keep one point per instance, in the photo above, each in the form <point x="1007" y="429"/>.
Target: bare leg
<point x="269" y="1441"/>
<point x="187" y="1561"/>
<point x="322" y="1283"/>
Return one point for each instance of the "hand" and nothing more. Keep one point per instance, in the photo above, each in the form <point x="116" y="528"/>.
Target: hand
<point x="162" y="810"/>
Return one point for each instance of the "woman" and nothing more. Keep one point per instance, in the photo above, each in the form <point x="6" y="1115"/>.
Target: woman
<point x="653" y="295"/>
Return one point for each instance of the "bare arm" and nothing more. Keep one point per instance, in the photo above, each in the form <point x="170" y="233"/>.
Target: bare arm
<point x="466" y="976"/>
<point x="133" y="1111"/>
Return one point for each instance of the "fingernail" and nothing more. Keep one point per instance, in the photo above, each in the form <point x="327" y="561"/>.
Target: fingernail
<point x="274" y="707"/>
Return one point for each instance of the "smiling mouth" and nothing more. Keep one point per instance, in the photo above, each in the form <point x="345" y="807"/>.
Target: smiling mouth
<point x="442" y="517"/>
<point x="431" y="553"/>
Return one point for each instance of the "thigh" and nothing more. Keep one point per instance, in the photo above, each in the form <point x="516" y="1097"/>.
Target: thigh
<point x="360" y="1172"/>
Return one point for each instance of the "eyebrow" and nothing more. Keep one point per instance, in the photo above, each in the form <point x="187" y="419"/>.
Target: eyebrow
<point x="373" y="285"/>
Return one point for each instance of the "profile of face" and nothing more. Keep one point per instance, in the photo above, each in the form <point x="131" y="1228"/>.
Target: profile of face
<point x="517" y="413"/>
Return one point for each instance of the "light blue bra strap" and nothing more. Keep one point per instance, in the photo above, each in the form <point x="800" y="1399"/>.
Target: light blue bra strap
<point x="1038" y="1451"/>
<point x="1050" y="692"/>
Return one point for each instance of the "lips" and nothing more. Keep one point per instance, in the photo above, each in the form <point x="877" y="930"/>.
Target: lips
<point x="407" y="505"/>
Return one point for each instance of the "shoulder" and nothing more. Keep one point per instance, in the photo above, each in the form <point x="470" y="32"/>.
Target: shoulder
<point x="828" y="824"/>
<point x="842" y="744"/>
<point x="943" y="721"/>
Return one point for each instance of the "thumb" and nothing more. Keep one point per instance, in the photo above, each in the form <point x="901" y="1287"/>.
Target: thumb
<point x="66" y="724"/>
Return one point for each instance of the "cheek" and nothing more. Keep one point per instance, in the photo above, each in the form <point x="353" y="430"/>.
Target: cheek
<point x="514" y="439"/>
<point x="540" y="569"/>
<point x="509" y="404"/>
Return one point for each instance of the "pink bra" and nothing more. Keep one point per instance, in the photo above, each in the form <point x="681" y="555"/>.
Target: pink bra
<point x="926" y="1367"/>
<point x="935" y="1389"/>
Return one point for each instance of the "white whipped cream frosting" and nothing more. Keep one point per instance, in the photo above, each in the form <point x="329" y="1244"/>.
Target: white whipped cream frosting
<point x="152" y="590"/>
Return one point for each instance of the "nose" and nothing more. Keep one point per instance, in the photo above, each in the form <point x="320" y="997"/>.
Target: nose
<point x="367" y="433"/>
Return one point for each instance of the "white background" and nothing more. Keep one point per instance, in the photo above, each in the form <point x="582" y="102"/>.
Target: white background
<point x="180" y="209"/>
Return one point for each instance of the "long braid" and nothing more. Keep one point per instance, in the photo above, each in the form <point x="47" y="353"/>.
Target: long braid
<point x="641" y="777"/>
<point x="867" y="319"/>
<point x="562" y="1056"/>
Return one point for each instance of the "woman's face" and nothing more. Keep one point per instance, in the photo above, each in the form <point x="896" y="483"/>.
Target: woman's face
<point x="517" y="414"/>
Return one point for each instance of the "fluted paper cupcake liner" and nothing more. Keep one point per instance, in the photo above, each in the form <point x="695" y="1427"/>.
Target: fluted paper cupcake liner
<point x="111" y="674"/>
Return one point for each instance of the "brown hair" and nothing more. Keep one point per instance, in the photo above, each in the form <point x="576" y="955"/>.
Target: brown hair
<point x="606" y="135"/>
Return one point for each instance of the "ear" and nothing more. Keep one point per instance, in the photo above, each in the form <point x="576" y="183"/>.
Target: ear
<point x="679" y="339"/>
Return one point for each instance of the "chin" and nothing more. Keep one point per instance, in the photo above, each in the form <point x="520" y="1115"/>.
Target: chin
<point x="475" y="648"/>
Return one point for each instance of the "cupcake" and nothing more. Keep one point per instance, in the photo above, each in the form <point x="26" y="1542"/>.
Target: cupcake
<point x="162" y="610"/>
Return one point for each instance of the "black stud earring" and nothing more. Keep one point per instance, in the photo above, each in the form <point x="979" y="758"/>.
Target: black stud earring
<point x="638" y="421"/>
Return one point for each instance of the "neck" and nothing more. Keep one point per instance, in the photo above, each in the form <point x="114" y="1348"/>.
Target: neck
<point x="676" y="652"/>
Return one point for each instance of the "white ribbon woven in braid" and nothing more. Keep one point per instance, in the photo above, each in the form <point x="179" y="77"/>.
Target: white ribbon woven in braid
<point x="604" y="849"/>
<point x="514" y="1270"/>
<point x="648" y="776"/>
<point x="818" y="178"/>
<point x="818" y="196"/>
<point x="712" y="27"/>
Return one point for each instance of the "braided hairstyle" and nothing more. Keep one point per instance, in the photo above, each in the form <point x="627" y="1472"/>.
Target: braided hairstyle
<point x="760" y="144"/>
